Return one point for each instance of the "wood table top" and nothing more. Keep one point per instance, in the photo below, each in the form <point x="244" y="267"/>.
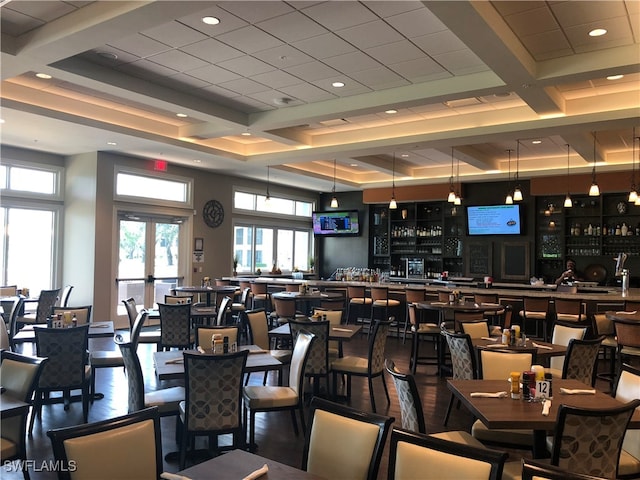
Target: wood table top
<point x="622" y="316"/>
<point x="339" y="333"/>
<point x="12" y="406"/>
<point x="544" y="349"/>
<point x="96" y="330"/>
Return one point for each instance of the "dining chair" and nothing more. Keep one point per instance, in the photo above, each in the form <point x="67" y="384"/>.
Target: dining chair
<point x="129" y="445"/>
<point x="317" y="366"/>
<point x="476" y="329"/>
<point x="175" y="326"/>
<point x="571" y="312"/>
<point x="67" y="369"/>
<point x="387" y="306"/>
<point x="260" y="296"/>
<point x="342" y="442"/>
<point x="8" y="290"/>
<point x="223" y="311"/>
<point x="335" y="320"/>
<point x="284" y="309"/>
<point x="261" y="398"/>
<point x="537" y="470"/>
<point x="359" y="303"/>
<point x="590" y="441"/>
<point x="148" y="334"/>
<point x="463" y="362"/>
<point x="490" y="299"/>
<point x="5" y="342"/>
<point x="241" y="305"/>
<point x="627" y="388"/>
<point x="581" y="361"/>
<point x="628" y="339"/>
<point x="204" y="334"/>
<point x="411" y="296"/>
<point x="178" y="299"/>
<point x="562" y="335"/>
<point x="603" y="327"/>
<point x="258" y="330"/>
<point x="496" y="364"/>
<point x="538" y="311"/>
<point x="166" y="400"/>
<point x="46" y="301"/>
<point x="370" y="367"/>
<point x="423" y="330"/>
<point x="65" y="295"/>
<point x="12" y="324"/>
<point x="213" y="399"/>
<point x="81" y="312"/>
<point x="414" y="455"/>
<point x="20" y="375"/>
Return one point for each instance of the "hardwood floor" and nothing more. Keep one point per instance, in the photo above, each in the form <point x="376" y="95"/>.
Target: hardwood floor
<point x="274" y="431"/>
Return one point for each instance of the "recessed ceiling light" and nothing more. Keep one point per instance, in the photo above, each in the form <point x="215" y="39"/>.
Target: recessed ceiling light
<point x="197" y="161"/>
<point x="108" y="55"/>
<point x="597" y="32"/>
<point x="112" y="143"/>
<point x="182" y="115"/>
<point x="246" y="134"/>
<point x="391" y="111"/>
<point x="536" y="142"/>
<point x="614" y="77"/>
<point x="353" y="164"/>
<point x="404" y="155"/>
<point x="46" y="76"/>
<point x="210" y="20"/>
<point x="338" y="84"/>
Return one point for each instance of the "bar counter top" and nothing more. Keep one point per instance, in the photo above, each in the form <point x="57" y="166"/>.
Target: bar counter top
<point x="595" y="294"/>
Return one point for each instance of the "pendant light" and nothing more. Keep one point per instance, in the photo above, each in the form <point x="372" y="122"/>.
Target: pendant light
<point x="633" y="193"/>
<point x="334" y="200"/>
<point x="392" y="204"/>
<point x="452" y="193"/>
<point x="517" y="193"/>
<point x="458" y="198"/>
<point x="267" y="199"/>
<point x="594" y="191"/>
<point x="509" y="199"/>
<point x="568" y="203"/>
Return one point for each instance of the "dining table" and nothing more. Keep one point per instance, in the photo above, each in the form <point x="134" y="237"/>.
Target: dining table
<point x="208" y="291"/>
<point x="304" y="301"/>
<point x="623" y="316"/>
<point x="238" y="464"/>
<point x="100" y="329"/>
<point x="11" y="406"/>
<point x="543" y="349"/>
<point x="338" y="333"/>
<point x="507" y="413"/>
<point x="467" y="307"/>
<point x="169" y="364"/>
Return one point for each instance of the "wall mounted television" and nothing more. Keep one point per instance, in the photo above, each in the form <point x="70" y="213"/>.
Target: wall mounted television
<point x="494" y="220"/>
<point x="336" y="223"/>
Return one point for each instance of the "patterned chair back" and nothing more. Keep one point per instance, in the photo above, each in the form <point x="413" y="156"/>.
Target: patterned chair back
<point x="318" y="360"/>
<point x="66" y="349"/>
<point x="411" y="412"/>
<point x="581" y="360"/>
<point x="463" y="359"/>
<point x="377" y="345"/>
<point x="132" y="310"/>
<point x="46" y="302"/>
<point x="223" y="309"/>
<point x="135" y="378"/>
<point x="175" y="325"/>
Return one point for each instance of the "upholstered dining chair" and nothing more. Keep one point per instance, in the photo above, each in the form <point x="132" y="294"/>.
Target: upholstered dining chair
<point x="8" y="290"/>
<point x="266" y="398"/>
<point x="562" y="335"/>
<point x="423" y="330"/>
<point x="46" y="301"/>
<point x="581" y="361"/>
<point x="175" y="326"/>
<point x="477" y="329"/>
<point x="12" y="323"/>
<point x="204" y="334"/>
<point x="538" y="311"/>
<point x="628" y="339"/>
<point x="148" y="334"/>
<point x="460" y="316"/>
<point x="284" y="309"/>
<point x="258" y="330"/>
<point x="370" y="367"/>
<point x="318" y="361"/>
<point x="81" y="312"/>
<point x="128" y="445"/>
<point x="178" y="299"/>
<point x="63" y="301"/>
<point x="20" y="374"/>
<point x="213" y="399"/>
<point x="578" y="439"/>
<point x="342" y="442"/>
<point x="67" y="369"/>
<point x="5" y="342"/>
<point x="490" y="299"/>
<point x="463" y="361"/>
<point x="260" y="296"/>
<point x="571" y="311"/>
<point x="627" y="388"/>
<point x="223" y="311"/>
<point x="537" y="470"/>
<point x="413" y="455"/>
<point x="335" y="319"/>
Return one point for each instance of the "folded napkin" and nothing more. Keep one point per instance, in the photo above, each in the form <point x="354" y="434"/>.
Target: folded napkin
<point x="545" y="347"/>
<point x="200" y="349"/>
<point x="257" y="473"/>
<point x="497" y="345"/>
<point x="173" y="476"/>
<point x="488" y="395"/>
<point x="324" y="295"/>
<point x="438" y="303"/>
<point x="627" y="313"/>
<point x="174" y="361"/>
<point x="338" y="329"/>
<point x="258" y="351"/>
<point x="577" y="391"/>
<point x="491" y="339"/>
<point x="99" y="325"/>
<point x="546" y="406"/>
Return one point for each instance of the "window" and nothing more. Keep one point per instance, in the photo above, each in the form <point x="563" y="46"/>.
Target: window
<point x="31" y="181"/>
<point x="143" y="187"/>
<point x="281" y="206"/>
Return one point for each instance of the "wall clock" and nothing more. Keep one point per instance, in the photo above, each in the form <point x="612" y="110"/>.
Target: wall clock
<point x="622" y="207"/>
<point x="213" y="213"/>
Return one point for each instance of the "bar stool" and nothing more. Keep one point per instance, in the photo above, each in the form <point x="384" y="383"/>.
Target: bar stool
<point x="358" y="303"/>
<point x="261" y="297"/>
<point x="380" y="302"/>
<point x="412" y="295"/>
<point x="536" y="309"/>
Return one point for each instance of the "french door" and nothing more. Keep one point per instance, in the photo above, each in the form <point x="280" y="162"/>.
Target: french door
<point x="150" y="258"/>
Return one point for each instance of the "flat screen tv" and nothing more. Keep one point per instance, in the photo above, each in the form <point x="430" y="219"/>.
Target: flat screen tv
<point x="338" y="223"/>
<point x="494" y="220"/>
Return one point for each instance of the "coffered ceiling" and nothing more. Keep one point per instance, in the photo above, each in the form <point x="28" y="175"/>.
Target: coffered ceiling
<point x="421" y="79"/>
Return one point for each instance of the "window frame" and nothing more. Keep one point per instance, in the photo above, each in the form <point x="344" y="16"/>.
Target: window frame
<point x="157" y="202"/>
<point x="59" y="178"/>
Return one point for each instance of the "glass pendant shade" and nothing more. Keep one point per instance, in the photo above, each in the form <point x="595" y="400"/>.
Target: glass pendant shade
<point x="452" y="197"/>
<point x="568" y="203"/>
<point x="392" y="204"/>
<point x="633" y="196"/>
<point x="517" y="194"/>
<point x="509" y="199"/>
<point x="457" y="200"/>
<point x="334" y="202"/>
<point x="594" y="190"/>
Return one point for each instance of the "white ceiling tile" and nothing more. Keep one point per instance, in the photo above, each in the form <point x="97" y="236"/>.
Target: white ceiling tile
<point x="243" y="86"/>
<point x="378" y="78"/>
<point x="283" y="56"/>
<point x="228" y="21"/>
<point x="213" y="74"/>
<point x="393" y="7"/>
<point x="416" y="23"/>
<point x="307" y="92"/>
<point x="212" y="50"/>
<point x="370" y="34"/>
<point x="352" y="62"/>
<point x="222" y="92"/>
<point x="418" y="70"/>
<point x="177" y="60"/>
<point x="547" y="45"/>
<point x="312" y="71"/>
<point x="462" y="62"/>
<point x="175" y="34"/>
<point x="14" y="23"/>
<point x="254" y="12"/>
<point x="42" y="11"/>
<point x="347" y="15"/>
<point x="619" y="33"/>
<point x="249" y="39"/>
<point x="139" y="45"/>
<point x="246" y="66"/>
<point x="583" y="12"/>
<point x="292" y="27"/>
<point x="276" y="79"/>
<point x="182" y="79"/>
<point x="514" y="7"/>
<point x="351" y="87"/>
<point x="439" y="42"/>
<point x="144" y="68"/>
<point x="324" y="46"/>
<point x="269" y="96"/>
<point x="533" y="21"/>
<point x="395" y="52"/>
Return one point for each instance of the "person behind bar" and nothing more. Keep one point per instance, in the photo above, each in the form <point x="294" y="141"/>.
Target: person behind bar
<point x="571" y="274"/>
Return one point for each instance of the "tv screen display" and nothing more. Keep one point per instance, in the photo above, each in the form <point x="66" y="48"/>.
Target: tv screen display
<point x="336" y="223"/>
<point x="494" y="220"/>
